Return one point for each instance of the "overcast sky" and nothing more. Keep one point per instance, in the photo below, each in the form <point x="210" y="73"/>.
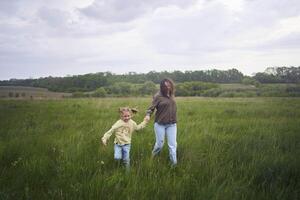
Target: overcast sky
<point x="40" y="38"/>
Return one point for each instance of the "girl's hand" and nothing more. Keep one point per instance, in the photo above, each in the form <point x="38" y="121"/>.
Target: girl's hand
<point x="104" y="142"/>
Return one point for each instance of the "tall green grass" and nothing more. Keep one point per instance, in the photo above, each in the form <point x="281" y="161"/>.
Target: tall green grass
<point x="227" y="149"/>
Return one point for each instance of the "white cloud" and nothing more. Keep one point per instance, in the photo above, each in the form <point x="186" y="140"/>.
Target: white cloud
<point x="189" y="31"/>
<point x="84" y="36"/>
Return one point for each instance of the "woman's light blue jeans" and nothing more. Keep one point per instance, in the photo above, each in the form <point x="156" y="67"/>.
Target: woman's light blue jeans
<point x="122" y="152"/>
<point x="171" y="131"/>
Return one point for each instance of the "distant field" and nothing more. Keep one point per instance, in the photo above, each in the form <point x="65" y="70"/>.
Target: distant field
<point x="234" y="86"/>
<point x="228" y="148"/>
<point x="29" y="93"/>
<point x="261" y="90"/>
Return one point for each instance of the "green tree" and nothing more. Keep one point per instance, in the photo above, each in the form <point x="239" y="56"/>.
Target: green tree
<point x="266" y="78"/>
<point x="247" y="80"/>
<point x="120" y="89"/>
<point x="147" y="88"/>
<point x="100" y="92"/>
<point x="193" y="88"/>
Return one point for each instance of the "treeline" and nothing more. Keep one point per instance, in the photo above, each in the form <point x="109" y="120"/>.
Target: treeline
<point x="90" y="82"/>
<point x="196" y="88"/>
<point x="123" y="89"/>
<point x="117" y="84"/>
<point x="279" y="75"/>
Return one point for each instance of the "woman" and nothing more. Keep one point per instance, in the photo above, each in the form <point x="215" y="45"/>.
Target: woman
<point x="165" y="119"/>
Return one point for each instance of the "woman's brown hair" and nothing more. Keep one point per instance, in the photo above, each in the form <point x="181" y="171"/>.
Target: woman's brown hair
<point x="164" y="89"/>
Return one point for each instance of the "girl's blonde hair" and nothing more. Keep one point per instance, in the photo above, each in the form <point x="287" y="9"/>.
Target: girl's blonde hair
<point x="128" y="109"/>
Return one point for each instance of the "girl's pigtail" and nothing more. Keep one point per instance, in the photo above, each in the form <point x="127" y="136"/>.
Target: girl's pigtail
<point x="134" y="110"/>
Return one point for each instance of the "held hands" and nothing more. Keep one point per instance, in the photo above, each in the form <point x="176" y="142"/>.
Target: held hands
<point x="147" y="118"/>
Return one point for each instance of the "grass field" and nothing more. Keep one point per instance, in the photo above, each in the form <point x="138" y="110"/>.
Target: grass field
<point x="228" y="148"/>
<point x="21" y="92"/>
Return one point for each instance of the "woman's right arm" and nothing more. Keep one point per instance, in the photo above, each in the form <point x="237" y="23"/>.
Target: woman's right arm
<point x="151" y="109"/>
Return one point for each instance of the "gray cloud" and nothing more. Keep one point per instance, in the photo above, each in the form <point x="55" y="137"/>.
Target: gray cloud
<point x="290" y="41"/>
<point x="69" y="37"/>
<point x="9" y="7"/>
<point x="273" y="8"/>
<point x="194" y="32"/>
<point x="214" y="28"/>
<point x="53" y="17"/>
<point x="127" y="10"/>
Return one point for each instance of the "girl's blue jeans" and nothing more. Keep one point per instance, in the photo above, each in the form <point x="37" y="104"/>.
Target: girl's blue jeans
<point x="122" y="152"/>
<point x="170" y="130"/>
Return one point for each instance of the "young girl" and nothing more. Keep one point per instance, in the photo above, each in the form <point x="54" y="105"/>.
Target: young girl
<point x="123" y="130"/>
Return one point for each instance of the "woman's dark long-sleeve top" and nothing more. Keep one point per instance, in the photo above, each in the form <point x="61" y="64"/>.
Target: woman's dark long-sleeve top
<point x="165" y="109"/>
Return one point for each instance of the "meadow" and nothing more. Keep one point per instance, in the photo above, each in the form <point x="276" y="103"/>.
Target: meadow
<point x="22" y="92"/>
<point x="228" y="148"/>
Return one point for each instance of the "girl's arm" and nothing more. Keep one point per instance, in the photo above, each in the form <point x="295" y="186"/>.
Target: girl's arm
<point x="107" y="135"/>
<point x="141" y="125"/>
